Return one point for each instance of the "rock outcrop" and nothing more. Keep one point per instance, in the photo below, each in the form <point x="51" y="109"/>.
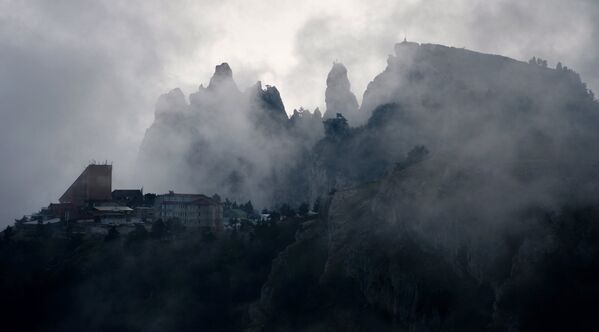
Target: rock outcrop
<point x="339" y="98"/>
<point x="222" y="78"/>
<point x="267" y="109"/>
<point x="241" y="145"/>
<point x="173" y="101"/>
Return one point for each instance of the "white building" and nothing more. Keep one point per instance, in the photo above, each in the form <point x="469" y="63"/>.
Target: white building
<point x="194" y="210"/>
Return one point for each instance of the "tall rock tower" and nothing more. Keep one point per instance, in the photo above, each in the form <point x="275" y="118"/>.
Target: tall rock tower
<point x="338" y="96"/>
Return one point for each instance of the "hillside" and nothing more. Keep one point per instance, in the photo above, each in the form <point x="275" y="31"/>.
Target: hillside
<point x="434" y="246"/>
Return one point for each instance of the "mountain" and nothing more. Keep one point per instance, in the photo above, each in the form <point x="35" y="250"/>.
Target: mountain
<point x="524" y="120"/>
<point x="528" y="122"/>
<point x="241" y="145"/>
<point x="469" y="201"/>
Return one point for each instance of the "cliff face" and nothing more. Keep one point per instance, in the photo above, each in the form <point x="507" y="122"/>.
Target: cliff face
<point x="473" y="184"/>
<point x="437" y="245"/>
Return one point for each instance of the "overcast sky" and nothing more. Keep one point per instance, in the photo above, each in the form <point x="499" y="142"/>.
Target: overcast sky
<point x="79" y="79"/>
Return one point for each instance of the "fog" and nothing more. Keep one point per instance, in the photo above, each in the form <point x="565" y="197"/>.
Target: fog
<point x="79" y="79"/>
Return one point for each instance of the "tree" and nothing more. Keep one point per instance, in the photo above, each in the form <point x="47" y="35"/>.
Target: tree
<point x="274" y="216"/>
<point x="544" y="63"/>
<point x="317" y="205"/>
<point x="287" y="211"/>
<point x="8" y="233"/>
<point x="20" y="221"/>
<point x="416" y="155"/>
<point x="303" y="209"/>
<point x="336" y="127"/>
<point x="138" y="234"/>
<point x="538" y="61"/>
<point x="112" y="235"/>
<point x="208" y="235"/>
<point x="174" y="225"/>
<point x="40" y="229"/>
<point x="559" y="67"/>
<point x="158" y="229"/>
<point x="248" y="208"/>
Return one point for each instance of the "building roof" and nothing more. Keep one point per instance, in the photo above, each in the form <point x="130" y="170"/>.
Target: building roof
<point x="198" y="199"/>
<point x="60" y="205"/>
<point x="194" y="202"/>
<point x="205" y="201"/>
<point x="113" y="208"/>
<point x="49" y="221"/>
<point x="127" y="192"/>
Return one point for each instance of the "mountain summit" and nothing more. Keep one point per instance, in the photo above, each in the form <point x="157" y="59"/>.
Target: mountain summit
<point x="476" y="107"/>
<point x="222" y="78"/>
<point x="338" y="96"/>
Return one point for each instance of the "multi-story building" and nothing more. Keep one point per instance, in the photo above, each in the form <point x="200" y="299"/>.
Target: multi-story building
<point x="193" y="210"/>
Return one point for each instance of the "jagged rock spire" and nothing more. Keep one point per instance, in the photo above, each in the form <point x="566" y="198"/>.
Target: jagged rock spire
<point x="221" y="87"/>
<point x="338" y="96"/>
<point x="173" y="101"/>
<point x="267" y="107"/>
<point x="222" y="78"/>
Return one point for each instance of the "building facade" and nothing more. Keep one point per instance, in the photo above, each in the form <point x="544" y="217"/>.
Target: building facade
<point x="94" y="184"/>
<point x="193" y="210"/>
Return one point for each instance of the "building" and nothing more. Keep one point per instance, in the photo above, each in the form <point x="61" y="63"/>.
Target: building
<point x="113" y="214"/>
<point x="193" y="210"/>
<point x="93" y="185"/>
<point x="63" y="211"/>
<point x="129" y="197"/>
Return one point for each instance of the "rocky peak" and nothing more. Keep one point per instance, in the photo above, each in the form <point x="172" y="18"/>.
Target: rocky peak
<point x="173" y="101"/>
<point x="222" y="78"/>
<point x="338" y="77"/>
<point x="338" y="96"/>
<point x="405" y="47"/>
<point x="270" y="99"/>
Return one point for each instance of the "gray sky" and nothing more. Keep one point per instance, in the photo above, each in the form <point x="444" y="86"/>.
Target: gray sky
<point x="79" y="79"/>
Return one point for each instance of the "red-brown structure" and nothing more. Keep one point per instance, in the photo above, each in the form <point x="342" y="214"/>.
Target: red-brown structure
<point x="94" y="184"/>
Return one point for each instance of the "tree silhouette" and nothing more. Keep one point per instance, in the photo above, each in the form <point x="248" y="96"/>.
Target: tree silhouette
<point x="8" y="233"/>
<point x="336" y="127"/>
<point x="316" y="206"/>
<point x="303" y="209"/>
<point x="112" y="235"/>
<point x="248" y="207"/>
<point x="287" y="211"/>
<point x="158" y="229"/>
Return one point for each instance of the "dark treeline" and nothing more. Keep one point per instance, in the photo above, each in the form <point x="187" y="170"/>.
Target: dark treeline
<point x="166" y="279"/>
